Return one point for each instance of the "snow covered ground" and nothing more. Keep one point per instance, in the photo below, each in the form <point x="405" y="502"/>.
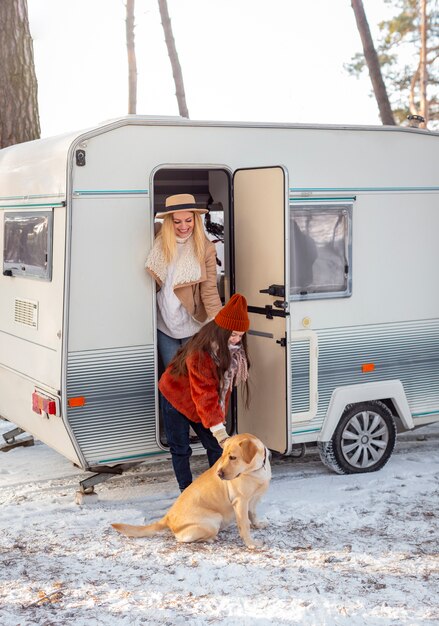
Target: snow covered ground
<point x="339" y="550"/>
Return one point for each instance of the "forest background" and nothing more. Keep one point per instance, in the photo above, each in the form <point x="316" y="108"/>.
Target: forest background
<point x="65" y="64"/>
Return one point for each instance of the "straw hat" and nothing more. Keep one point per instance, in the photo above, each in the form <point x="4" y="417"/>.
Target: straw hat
<point x="180" y="202"/>
<point x="233" y="315"/>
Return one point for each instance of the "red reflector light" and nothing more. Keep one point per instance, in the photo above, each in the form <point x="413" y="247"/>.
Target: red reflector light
<point x="43" y="404"/>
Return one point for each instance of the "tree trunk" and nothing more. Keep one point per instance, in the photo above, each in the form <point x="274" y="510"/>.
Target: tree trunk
<point x="412" y="93"/>
<point x="423" y="79"/>
<point x="173" y="56"/>
<point x="132" y="63"/>
<point x="19" y="117"/>
<point x="373" y="64"/>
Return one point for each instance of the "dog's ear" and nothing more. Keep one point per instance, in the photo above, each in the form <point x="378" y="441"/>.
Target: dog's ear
<point x="249" y="449"/>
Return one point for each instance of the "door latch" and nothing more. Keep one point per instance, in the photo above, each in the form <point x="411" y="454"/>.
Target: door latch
<point x="282" y="342"/>
<point x="281" y="304"/>
<point x="268" y="311"/>
<point x="274" y="290"/>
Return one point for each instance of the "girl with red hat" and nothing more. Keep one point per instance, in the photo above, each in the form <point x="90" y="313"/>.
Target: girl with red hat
<point x="197" y="384"/>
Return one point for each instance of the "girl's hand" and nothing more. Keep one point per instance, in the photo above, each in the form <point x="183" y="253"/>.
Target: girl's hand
<point x="220" y="434"/>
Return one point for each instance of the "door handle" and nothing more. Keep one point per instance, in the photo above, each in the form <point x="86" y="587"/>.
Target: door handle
<point x="274" y="290"/>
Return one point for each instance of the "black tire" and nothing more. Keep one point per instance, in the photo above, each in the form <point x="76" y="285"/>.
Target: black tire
<point x="364" y="438"/>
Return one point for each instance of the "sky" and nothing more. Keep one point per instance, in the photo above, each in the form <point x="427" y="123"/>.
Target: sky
<point x="242" y="60"/>
<point x="358" y="550"/>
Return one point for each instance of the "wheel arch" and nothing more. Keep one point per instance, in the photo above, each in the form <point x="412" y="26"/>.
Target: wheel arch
<point x="390" y="392"/>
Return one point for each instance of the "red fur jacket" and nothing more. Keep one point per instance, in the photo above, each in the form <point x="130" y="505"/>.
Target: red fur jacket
<point x="196" y="395"/>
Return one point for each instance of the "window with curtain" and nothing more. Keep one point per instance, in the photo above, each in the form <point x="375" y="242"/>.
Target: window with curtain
<point x="27" y="242"/>
<point x="320" y="254"/>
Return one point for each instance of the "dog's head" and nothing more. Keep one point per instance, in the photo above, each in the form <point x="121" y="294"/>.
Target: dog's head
<point x="241" y="454"/>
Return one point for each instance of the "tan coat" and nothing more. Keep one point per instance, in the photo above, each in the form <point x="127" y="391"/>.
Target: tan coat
<point x="199" y="297"/>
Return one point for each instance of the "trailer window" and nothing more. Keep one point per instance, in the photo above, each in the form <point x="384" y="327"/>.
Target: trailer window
<point x="320" y="255"/>
<point x="27" y="249"/>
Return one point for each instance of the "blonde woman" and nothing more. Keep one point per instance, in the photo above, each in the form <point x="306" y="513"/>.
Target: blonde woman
<point x="183" y="264"/>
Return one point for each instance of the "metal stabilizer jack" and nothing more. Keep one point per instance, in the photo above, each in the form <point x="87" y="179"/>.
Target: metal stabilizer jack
<point x="86" y="493"/>
<point x="103" y="473"/>
<point x="298" y="450"/>
<point x="12" y="442"/>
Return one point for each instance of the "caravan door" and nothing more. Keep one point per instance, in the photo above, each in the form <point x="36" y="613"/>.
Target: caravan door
<point x="261" y="263"/>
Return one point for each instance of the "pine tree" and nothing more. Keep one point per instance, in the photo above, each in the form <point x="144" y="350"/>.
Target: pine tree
<point x="132" y="62"/>
<point x="373" y="64"/>
<point x="408" y="53"/>
<point x="19" y="117"/>
<point x="173" y="56"/>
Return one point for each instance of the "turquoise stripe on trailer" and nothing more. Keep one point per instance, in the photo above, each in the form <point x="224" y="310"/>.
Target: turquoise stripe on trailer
<point x="100" y="192"/>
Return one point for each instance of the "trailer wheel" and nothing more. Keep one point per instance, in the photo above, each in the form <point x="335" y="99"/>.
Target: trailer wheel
<point x="363" y="440"/>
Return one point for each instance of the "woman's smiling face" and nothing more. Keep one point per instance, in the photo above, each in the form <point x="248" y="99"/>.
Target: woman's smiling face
<point x="183" y="223"/>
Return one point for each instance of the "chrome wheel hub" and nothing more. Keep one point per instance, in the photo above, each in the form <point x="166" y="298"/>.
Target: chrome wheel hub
<point x="364" y="439"/>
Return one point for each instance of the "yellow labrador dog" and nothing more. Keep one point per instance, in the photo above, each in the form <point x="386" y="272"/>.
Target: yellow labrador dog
<point x="231" y="487"/>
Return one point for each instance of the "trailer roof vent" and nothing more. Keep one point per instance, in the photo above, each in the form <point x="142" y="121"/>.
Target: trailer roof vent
<point x="26" y="312"/>
<point x="415" y="121"/>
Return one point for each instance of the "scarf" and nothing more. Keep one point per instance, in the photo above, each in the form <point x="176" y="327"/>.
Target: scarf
<point x="235" y="375"/>
<point x="187" y="266"/>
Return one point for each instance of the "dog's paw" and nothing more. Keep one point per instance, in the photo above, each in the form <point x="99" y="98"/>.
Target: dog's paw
<point x="258" y="524"/>
<point x="254" y="544"/>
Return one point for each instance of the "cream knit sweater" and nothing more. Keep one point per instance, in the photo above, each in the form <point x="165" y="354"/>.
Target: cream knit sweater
<point x="172" y="317"/>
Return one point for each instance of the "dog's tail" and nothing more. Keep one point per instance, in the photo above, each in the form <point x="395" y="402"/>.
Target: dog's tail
<point x="142" y="531"/>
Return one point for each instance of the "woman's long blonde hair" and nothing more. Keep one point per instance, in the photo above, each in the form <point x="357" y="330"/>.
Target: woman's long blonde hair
<point x="169" y="242"/>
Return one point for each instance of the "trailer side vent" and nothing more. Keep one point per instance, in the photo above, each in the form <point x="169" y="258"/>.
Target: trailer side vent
<point x="26" y="312"/>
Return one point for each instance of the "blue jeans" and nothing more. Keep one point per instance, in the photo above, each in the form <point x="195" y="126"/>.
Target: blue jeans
<point x="177" y="433"/>
<point x="168" y="346"/>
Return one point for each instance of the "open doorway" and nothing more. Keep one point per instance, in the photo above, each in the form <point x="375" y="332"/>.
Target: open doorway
<point x="211" y="187"/>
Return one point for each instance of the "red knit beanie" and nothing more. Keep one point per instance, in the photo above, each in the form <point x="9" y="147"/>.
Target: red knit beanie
<point x="233" y="315"/>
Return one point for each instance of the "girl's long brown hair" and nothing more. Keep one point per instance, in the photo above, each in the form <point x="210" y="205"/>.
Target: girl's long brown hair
<point x="211" y="335"/>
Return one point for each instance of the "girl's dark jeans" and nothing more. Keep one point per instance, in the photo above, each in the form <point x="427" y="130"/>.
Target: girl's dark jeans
<point x="177" y="433"/>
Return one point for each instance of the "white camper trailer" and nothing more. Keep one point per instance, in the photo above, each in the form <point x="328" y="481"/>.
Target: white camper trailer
<point x="330" y="232"/>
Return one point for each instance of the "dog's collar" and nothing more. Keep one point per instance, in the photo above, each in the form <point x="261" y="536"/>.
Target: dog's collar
<point x="262" y="466"/>
<point x="264" y="461"/>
